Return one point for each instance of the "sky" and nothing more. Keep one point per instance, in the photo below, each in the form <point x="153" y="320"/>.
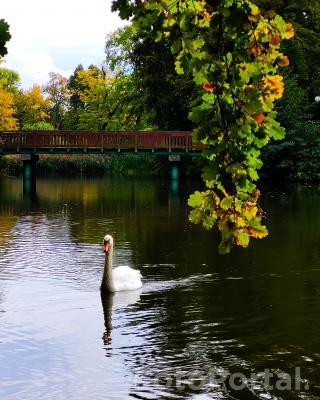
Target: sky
<point x="56" y="36"/>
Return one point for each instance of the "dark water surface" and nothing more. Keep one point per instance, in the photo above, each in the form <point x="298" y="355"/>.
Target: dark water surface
<point x="203" y="325"/>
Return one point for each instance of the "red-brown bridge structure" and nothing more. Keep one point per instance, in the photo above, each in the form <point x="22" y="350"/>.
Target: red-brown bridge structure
<point x="30" y="144"/>
<point x="99" y="142"/>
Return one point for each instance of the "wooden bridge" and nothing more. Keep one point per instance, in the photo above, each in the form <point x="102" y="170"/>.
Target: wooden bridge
<point x="98" y="142"/>
<point x="30" y="144"/>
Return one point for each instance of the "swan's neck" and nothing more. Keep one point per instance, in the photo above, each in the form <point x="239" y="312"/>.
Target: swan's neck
<point x="107" y="280"/>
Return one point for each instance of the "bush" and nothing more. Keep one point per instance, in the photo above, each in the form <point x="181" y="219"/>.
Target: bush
<point x="38" y="126"/>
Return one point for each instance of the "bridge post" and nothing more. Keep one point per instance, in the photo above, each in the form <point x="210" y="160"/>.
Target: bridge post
<point x="29" y="173"/>
<point x="174" y="161"/>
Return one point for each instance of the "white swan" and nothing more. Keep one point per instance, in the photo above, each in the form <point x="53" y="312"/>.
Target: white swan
<point x="120" y="278"/>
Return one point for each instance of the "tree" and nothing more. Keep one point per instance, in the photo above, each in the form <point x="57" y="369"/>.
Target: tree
<point x="303" y="12"/>
<point x="31" y="106"/>
<point x="59" y="96"/>
<point x="160" y="91"/>
<point x="304" y="50"/>
<point x="119" y="49"/>
<point x="4" y="37"/>
<point x="297" y="156"/>
<point x="90" y="94"/>
<point x="72" y="116"/>
<point x="7" y="111"/>
<point x="232" y="51"/>
<point x="9" y="80"/>
<point x="127" y="111"/>
<point x="107" y="102"/>
<point x="164" y="91"/>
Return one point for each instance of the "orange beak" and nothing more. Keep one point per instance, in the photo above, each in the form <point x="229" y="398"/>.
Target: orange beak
<point x="106" y="247"/>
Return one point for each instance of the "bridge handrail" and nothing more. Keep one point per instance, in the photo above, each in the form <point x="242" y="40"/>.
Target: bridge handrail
<point x="99" y="140"/>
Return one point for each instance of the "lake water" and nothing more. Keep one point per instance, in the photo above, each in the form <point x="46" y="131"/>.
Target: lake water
<point x="204" y="326"/>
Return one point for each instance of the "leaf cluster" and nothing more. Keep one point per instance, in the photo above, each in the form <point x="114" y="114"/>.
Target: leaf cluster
<point x="232" y="51"/>
<point x="4" y="37"/>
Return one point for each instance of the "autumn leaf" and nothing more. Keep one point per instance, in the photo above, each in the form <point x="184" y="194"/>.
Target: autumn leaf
<point x="207" y="16"/>
<point x="275" y="39"/>
<point x="275" y="85"/>
<point x="258" y="232"/>
<point x="242" y="239"/>
<point x="259" y="118"/>
<point x="255" y="50"/>
<point x="209" y="87"/>
<point x="284" y="62"/>
<point x="289" y="33"/>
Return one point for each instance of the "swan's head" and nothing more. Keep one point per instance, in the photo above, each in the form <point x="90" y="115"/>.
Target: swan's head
<point x="107" y="243"/>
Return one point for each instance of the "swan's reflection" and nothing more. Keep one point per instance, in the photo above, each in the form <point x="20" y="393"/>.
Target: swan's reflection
<point x="114" y="301"/>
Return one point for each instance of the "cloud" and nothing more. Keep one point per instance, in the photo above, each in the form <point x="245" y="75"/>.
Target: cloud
<point x="32" y="66"/>
<point x="56" y="35"/>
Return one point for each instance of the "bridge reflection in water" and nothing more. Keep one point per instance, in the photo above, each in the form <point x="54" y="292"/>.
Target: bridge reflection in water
<point x="30" y="144"/>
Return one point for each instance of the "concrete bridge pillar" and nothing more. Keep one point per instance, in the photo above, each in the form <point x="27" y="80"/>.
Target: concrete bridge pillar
<point x="29" y="173"/>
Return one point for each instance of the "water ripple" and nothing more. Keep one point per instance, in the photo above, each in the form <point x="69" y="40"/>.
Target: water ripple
<point x="198" y="316"/>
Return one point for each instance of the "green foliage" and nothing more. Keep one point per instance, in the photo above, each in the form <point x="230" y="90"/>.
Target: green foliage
<point x="31" y="106"/>
<point x="232" y="50"/>
<point x="156" y="93"/>
<point x="304" y="50"/>
<point x="9" y="80"/>
<point x="38" y="126"/>
<point x="294" y="105"/>
<point x="297" y="158"/>
<point x="106" y="101"/>
<point x="128" y="111"/>
<point x="118" y="49"/>
<point x="163" y="91"/>
<point x="4" y="37"/>
<point x="71" y="120"/>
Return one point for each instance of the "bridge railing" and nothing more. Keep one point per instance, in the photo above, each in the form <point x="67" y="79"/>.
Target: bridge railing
<point x="98" y="140"/>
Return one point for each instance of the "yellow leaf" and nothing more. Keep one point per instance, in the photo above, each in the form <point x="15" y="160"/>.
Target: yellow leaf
<point x="289" y="33"/>
<point x="275" y="85"/>
<point x="7" y="111"/>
